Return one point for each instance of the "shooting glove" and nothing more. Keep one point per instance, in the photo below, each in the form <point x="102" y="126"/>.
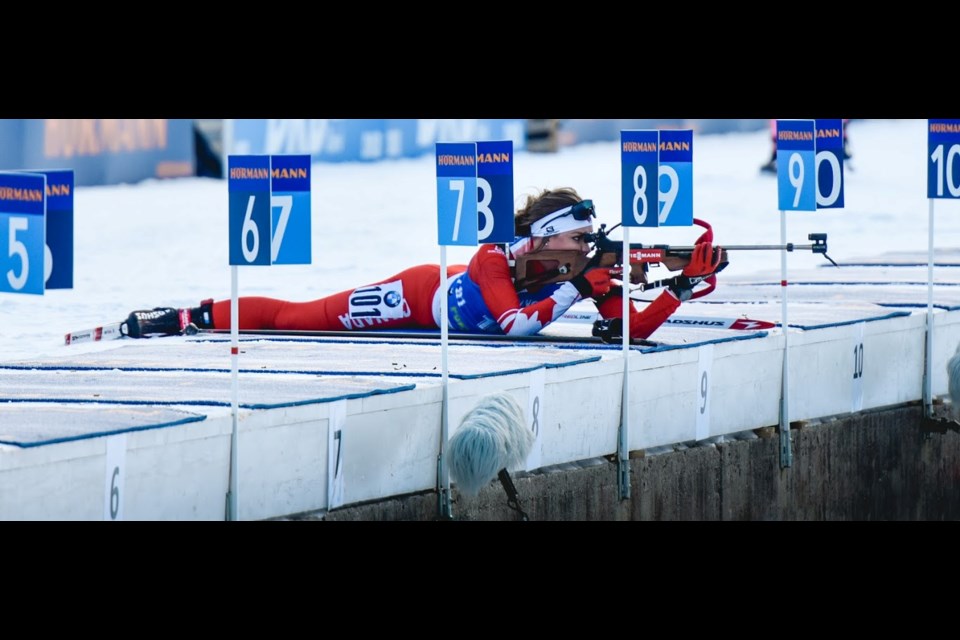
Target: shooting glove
<point x="592" y="283"/>
<point x="704" y="262"/>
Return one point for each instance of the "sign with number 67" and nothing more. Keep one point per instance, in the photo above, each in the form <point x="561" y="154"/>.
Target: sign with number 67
<point x="270" y="209"/>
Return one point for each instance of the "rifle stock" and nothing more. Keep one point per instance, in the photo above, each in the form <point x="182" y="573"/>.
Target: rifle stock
<point x="546" y="267"/>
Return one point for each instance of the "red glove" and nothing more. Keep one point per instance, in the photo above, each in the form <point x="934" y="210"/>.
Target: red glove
<point x="593" y="283"/>
<point x="704" y="260"/>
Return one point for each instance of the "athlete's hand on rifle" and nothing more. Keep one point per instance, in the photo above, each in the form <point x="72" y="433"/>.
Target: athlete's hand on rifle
<point x="704" y="262"/>
<point x="704" y="259"/>
<point x="593" y="283"/>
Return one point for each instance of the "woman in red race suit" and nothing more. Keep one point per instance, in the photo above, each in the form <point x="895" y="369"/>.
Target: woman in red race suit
<point x="484" y="296"/>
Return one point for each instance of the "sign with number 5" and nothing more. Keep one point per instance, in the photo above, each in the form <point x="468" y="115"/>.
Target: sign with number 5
<point x="23" y="212"/>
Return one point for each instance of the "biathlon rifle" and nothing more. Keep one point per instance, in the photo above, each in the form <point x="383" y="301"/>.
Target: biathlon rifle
<point x="559" y="266"/>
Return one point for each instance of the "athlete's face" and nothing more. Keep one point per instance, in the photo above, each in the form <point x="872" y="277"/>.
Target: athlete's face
<point x="569" y="241"/>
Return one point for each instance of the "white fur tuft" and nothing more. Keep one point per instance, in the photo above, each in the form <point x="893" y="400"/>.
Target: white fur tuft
<point x="492" y="436"/>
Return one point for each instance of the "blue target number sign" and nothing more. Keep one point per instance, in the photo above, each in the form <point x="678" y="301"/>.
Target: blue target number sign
<point x="943" y="158"/>
<point x="829" y="163"/>
<point x="457" y="217"/>
<point x="270" y="209"/>
<point x="796" y="168"/>
<point x="639" y="167"/>
<point x="495" y="191"/>
<point x="676" y="178"/>
<point x="58" y="252"/>
<point x="23" y="213"/>
<point x="290" y="205"/>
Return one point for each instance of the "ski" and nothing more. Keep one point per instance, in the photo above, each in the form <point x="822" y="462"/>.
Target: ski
<point x="110" y="331"/>
<point x="693" y="322"/>
<point x="413" y="334"/>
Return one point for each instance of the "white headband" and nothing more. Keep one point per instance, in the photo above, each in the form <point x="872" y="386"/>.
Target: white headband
<point x="560" y="221"/>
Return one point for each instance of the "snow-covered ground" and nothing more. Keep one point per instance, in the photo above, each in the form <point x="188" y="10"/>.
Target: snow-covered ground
<point x="165" y="242"/>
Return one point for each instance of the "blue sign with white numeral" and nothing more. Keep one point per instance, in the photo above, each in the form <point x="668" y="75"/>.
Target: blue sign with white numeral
<point x="829" y="163"/>
<point x="676" y="178"/>
<point x="495" y="191"/>
<point x="943" y="158"/>
<point x="796" y="169"/>
<point x="457" y="193"/>
<point x="290" y="204"/>
<point x="23" y="209"/>
<point x="248" y="185"/>
<point x="639" y="172"/>
<point x="58" y="268"/>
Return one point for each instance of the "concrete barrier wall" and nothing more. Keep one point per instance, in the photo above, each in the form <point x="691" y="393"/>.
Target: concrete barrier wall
<point x="887" y="464"/>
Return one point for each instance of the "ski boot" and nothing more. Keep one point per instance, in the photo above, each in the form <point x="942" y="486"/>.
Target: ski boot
<point x="167" y="321"/>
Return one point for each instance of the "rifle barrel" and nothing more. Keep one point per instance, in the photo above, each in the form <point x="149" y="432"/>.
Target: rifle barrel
<point x="747" y="247"/>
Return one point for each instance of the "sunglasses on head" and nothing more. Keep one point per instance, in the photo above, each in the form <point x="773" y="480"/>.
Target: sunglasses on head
<point x="583" y="210"/>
